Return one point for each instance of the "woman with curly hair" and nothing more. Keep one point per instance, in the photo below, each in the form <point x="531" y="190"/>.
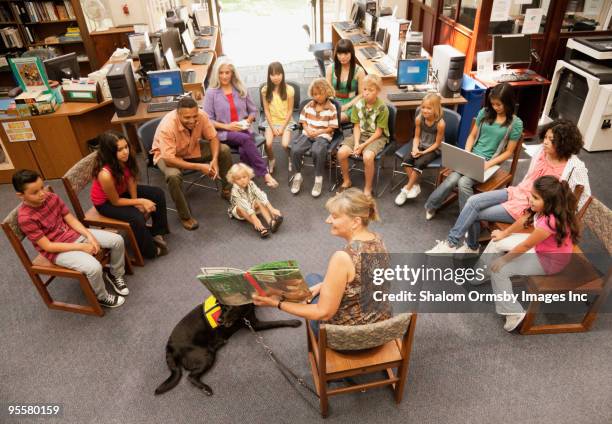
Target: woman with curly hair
<point x="561" y="142"/>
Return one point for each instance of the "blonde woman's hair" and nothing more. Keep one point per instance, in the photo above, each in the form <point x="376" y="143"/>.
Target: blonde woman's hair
<point x="373" y="80"/>
<point x="238" y="169"/>
<point x="436" y="104"/>
<point x="321" y="84"/>
<point x="354" y="203"/>
<point x="236" y="81"/>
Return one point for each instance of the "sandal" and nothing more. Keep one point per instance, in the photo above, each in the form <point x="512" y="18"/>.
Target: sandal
<point x="276" y="222"/>
<point x="263" y="233"/>
<point x="343" y="188"/>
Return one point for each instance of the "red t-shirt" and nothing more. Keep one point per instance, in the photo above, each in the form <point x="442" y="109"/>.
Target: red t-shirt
<point x="233" y="111"/>
<point x="46" y="221"/>
<point x="98" y="196"/>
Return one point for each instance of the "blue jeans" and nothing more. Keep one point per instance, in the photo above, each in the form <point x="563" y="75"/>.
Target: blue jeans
<point x="465" y="187"/>
<point x="313" y="280"/>
<point x="480" y="207"/>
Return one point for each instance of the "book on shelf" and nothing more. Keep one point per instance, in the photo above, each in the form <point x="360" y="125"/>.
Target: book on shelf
<point x="235" y="287"/>
<point x="11" y="38"/>
<point x="69" y="9"/>
<point x="48" y="11"/>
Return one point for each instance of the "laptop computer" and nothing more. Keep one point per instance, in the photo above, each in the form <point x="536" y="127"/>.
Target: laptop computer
<point x="466" y="163"/>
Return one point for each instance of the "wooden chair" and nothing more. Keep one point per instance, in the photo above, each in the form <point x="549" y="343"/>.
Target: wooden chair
<point x="502" y="178"/>
<point x="580" y="276"/>
<point x="75" y="180"/>
<point x="384" y="345"/>
<point x="42" y="266"/>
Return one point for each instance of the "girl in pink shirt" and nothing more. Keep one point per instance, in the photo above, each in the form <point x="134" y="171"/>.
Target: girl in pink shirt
<point x="561" y="142"/>
<point x="544" y="251"/>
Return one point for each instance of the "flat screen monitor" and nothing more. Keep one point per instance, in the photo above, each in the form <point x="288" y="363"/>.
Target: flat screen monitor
<point x="354" y="13"/>
<point x="170" y="59"/>
<point x="381" y="35"/>
<point x="171" y="39"/>
<point x="188" y="42"/>
<point x="514" y="48"/>
<point x="369" y="21"/>
<point x="65" y="66"/>
<point x="412" y="71"/>
<point x="165" y="83"/>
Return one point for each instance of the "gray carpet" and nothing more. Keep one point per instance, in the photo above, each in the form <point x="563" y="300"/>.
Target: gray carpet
<point x="464" y="368"/>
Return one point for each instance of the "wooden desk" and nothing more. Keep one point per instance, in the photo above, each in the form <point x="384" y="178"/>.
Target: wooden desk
<point x="530" y="96"/>
<point x="61" y="138"/>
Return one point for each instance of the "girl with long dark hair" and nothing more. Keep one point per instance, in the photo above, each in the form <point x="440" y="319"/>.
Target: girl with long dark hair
<point x="115" y="194"/>
<point x="346" y="77"/>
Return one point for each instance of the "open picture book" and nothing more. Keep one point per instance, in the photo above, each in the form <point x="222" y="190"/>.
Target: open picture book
<point x="235" y="287"/>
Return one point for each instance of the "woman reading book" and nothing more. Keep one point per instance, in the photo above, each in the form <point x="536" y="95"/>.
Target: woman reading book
<point x="344" y="297"/>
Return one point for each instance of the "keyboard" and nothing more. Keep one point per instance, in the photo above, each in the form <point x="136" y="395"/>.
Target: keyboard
<point x="161" y="106"/>
<point x="345" y="26"/>
<point x="405" y="96"/>
<point x="370" y="52"/>
<point x="514" y="77"/>
<point x="205" y="31"/>
<point x="201" y="43"/>
<point x="384" y="69"/>
<point x="358" y="38"/>
<point x="201" y="58"/>
<point x="188" y="77"/>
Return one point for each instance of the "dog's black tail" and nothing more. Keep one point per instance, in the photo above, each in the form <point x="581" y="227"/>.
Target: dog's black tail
<point x="176" y="372"/>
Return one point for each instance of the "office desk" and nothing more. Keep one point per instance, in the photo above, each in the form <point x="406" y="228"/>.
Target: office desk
<point x="61" y="138"/>
<point x="530" y="96"/>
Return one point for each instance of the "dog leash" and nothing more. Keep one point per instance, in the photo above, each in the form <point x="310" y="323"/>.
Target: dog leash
<point x="284" y="369"/>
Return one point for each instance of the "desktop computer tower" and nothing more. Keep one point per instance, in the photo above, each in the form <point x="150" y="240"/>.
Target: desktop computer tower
<point x="122" y="87"/>
<point x="151" y="58"/>
<point x="448" y="62"/>
<point x="176" y="22"/>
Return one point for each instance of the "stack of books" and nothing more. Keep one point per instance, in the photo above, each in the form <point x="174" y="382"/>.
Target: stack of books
<point x="10" y="38"/>
<point x="72" y="34"/>
<point x="32" y="103"/>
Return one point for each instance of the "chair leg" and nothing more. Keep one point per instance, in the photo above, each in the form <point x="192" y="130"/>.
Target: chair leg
<point x="138" y="260"/>
<point x="96" y="309"/>
<point x="323" y="399"/>
<point x="527" y="324"/>
<point x="129" y="270"/>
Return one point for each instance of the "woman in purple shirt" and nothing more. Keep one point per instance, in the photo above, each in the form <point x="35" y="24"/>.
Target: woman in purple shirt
<point x="232" y="111"/>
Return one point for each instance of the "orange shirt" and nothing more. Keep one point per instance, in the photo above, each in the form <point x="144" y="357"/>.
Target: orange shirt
<point x="172" y="139"/>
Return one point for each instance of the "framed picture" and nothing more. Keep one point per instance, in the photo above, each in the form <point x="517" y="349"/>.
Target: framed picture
<point x="29" y="73"/>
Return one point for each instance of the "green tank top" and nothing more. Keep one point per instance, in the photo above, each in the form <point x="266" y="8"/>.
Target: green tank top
<point x="344" y="94"/>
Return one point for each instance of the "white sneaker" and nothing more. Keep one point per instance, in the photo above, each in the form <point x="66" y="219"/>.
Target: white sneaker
<point x="296" y="184"/>
<point x="429" y="214"/>
<point x="401" y="197"/>
<point x="442" y="247"/>
<point x="513" y="321"/>
<point x="466" y="250"/>
<point x="318" y="186"/>
<point x="414" y="191"/>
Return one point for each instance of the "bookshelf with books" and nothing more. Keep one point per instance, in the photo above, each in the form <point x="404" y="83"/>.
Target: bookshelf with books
<point x="58" y="24"/>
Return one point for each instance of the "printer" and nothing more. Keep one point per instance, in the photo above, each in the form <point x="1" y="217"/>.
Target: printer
<point x="581" y="90"/>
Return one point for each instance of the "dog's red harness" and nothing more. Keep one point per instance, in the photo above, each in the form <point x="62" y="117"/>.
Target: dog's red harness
<point x="212" y="311"/>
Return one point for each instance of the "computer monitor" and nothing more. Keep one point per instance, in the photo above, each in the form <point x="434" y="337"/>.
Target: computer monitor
<point x="369" y="21"/>
<point x="354" y="13"/>
<point x="171" y="39"/>
<point x="65" y="66"/>
<point x="166" y="83"/>
<point x="170" y="59"/>
<point x="188" y="42"/>
<point x="381" y="34"/>
<point x="412" y="71"/>
<point x="515" y="48"/>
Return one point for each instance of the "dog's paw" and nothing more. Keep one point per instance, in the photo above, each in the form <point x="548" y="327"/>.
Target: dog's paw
<point x="207" y="390"/>
<point x="295" y="323"/>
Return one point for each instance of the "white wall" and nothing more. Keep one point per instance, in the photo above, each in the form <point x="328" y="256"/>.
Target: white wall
<point x="402" y="7"/>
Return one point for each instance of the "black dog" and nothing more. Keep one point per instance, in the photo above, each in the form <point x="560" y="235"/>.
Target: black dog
<point x="193" y="343"/>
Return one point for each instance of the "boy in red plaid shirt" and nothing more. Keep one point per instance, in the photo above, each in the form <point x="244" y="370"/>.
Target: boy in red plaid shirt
<point x="63" y="240"/>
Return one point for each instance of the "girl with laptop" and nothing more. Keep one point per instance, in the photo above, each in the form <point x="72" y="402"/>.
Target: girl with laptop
<point x="494" y="137"/>
<point x="561" y="142"/>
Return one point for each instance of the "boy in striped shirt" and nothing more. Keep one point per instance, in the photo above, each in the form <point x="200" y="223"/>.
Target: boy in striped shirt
<point x="63" y="240"/>
<point x="319" y="120"/>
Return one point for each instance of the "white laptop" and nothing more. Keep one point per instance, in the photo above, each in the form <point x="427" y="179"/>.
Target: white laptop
<point x="466" y="163"/>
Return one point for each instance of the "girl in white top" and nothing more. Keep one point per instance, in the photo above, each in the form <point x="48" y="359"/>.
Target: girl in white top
<point x="247" y="200"/>
<point x="277" y="99"/>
